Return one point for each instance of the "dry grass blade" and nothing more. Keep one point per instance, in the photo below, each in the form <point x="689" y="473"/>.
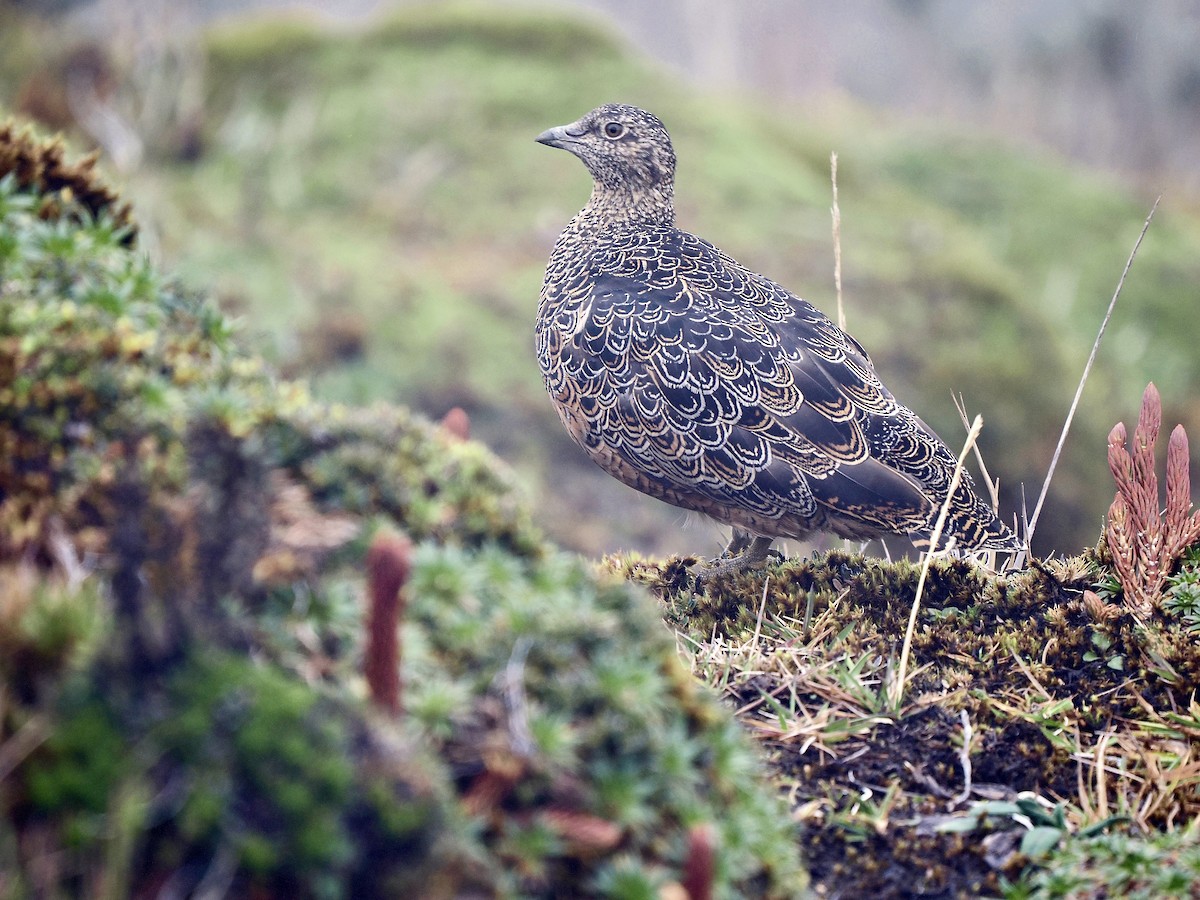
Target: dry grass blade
<point x="1087" y="369"/>
<point x="762" y="608"/>
<point x="1149" y="773"/>
<point x="789" y="692"/>
<point x="896" y="688"/>
<point x="31" y="735"/>
<point x="964" y="758"/>
<point x="837" y="243"/>
<point x="993" y="486"/>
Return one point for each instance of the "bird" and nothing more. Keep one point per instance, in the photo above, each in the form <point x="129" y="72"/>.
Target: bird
<point x="699" y="382"/>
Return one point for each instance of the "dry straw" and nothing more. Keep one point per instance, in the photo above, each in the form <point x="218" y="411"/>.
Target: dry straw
<point x="1062" y="438"/>
<point x="896" y="688"/>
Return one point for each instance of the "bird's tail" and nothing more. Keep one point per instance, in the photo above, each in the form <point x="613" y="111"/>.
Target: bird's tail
<point x="975" y="527"/>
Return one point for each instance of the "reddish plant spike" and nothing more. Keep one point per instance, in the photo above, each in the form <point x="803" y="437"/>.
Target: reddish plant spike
<point x="1123" y="553"/>
<point x="1149" y="419"/>
<point x="585" y="835"/>
<point x="1117" y="436"/>
<point x="389" y="561"/>
<point x="1179" y="486"/>
<point x="1182" y="524"/>
<point x="1144" y="499"/>
<point x="457" y="424"/>
<point x="1145" y="539"/>
<point x="700" y="869"/>
<point x="1145" y="477"/>
<point x="487" y="792"/>
<point x="1120" y="463"/>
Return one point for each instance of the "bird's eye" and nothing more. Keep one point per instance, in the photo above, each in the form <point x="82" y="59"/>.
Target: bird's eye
<point x="613" y="130"/>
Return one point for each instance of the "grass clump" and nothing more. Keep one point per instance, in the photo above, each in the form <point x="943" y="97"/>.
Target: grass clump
<point x="1166" y="866"/>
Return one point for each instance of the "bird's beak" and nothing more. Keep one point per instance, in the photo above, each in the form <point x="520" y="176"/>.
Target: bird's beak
<point x="562" y="137"/>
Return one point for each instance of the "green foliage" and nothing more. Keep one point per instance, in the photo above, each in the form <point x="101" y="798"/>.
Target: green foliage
<point x="554" y="646"/>
<point x="97" y="356"/>
<point x="1116" y="865"/>
<point x="81" y="762"/>
<point x="243" y="759"/>
<point x="383" y="459"/>
<point x="1046" y="826"/>
<point x="253" y="739"/>
<point x="1182" y="596"/>
<point x="46" y="627"/>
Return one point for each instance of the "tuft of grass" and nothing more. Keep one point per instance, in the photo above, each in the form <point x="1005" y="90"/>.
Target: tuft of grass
<point x="1166" y="866"/>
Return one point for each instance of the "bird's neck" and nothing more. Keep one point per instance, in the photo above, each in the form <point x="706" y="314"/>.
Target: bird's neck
<point x="623" y="206"/>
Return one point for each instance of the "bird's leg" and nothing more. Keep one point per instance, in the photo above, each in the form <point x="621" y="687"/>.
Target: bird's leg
<point x="752" y="552"/>
<point x="738" y="542"/>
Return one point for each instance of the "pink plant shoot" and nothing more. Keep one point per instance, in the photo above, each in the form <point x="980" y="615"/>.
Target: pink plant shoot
<point x="1144" y="539"/>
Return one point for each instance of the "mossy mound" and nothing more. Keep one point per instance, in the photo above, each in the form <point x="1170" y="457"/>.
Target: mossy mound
<point x="182" y="539"/>
<point x="1067" y="703"/>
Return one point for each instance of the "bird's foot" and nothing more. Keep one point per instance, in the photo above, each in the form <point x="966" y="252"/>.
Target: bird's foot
<point x="745" y="551"/>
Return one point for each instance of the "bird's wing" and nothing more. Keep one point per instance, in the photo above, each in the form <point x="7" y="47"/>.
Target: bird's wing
<point x="712" y="380"/>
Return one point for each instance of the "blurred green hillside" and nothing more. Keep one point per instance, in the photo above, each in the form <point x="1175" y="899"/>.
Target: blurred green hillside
<point x="374" y="203"/>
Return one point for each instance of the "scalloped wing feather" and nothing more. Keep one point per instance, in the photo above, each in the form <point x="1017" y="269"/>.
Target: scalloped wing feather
<point x="706" y="385"/>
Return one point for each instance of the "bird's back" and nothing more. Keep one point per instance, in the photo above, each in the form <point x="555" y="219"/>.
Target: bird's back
<point x="704" y="384"/>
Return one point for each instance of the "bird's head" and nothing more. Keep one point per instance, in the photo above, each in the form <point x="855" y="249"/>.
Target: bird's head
<point x="627" y="150"/>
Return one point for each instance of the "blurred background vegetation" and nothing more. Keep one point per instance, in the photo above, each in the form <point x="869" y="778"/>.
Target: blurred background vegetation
<point x="363" y="189"/>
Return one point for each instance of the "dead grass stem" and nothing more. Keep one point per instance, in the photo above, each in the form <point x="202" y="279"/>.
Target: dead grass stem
<point x="837" y="242"/>
<point x="896" y="688"/>
<point x="1031" y="524"/>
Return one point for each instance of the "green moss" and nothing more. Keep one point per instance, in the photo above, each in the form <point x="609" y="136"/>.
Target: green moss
<point x="82" y="761"/>
<point x="653" y="755"/>
<point x="47" y="628"/>
<point x="259" y="746"/>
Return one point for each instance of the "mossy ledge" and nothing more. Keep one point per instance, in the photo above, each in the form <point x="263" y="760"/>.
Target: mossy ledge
<point x="1045" y="739"/>
<point x="182" y="542"/>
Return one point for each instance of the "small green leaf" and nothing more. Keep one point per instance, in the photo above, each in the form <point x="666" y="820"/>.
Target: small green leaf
<point x="997" y="808"/>
<point x="1040" y="840"/>
<point x="1093" y="830"/>
<point x="958" y="825"/>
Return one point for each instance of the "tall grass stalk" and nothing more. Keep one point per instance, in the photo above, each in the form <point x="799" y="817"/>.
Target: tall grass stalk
<point x="837" y="243"/>
<point x="1031" y="524"/>
<point x="896" y="688"/>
